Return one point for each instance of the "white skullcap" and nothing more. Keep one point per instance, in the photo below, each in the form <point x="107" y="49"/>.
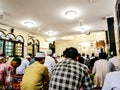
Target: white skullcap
<point x="1" y="57"/>
<point x="40" y="55"/>
<point x="27" y="56"/>
<point x="49" y="52"/>
<point x="55" y="55"/>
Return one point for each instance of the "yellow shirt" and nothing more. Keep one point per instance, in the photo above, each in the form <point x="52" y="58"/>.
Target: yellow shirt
<point x="34" y="77"/>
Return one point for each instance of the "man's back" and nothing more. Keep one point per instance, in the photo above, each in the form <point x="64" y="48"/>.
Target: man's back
<point x="102" y="66"/>
<point x="100" y="69"/>
<point x="70" y="75"/>
<point x="34" y="77"/>
<point x="112" y="81"/>
<point x="116" y="62"/>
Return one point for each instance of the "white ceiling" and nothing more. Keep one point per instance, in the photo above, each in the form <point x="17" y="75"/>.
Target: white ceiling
<point x="48" y="15"/>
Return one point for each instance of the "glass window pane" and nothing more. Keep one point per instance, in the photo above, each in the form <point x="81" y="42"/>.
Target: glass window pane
<point x="18" y="50"/>
<point x="1" y="46"/>
<point x="9" y="48"/>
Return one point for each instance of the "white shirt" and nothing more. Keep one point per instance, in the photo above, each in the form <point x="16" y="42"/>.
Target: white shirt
<point x="62" y="58"/>
<point x="49" y="62"/>
<point x="116" y="62"/>
<point x="112" y="81"/>
<point x="22" y="67"/>
<point x="100" y="69"/>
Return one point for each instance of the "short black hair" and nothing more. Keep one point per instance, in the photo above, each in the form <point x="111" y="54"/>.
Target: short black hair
<point x="71" y="53"/>
<point x="39" y="59"/>
<point x="102" y="55"/>
<point x="93" y="54"/>
<point x="66" y="52"/>
<point x="81" y="60"/>
<point x="18" y="60"/>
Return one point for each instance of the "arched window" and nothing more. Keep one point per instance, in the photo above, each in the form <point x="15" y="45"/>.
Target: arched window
<point x="2" y="35"/>
<point x="19" y="46"/>
<point x="30" y="46"/>
<point x="36" y="46"/>
<point x="10" y="36"/>
<point x="2" y="41"/>
<point x="10" y="45"/>
<point x="19" y="38"/>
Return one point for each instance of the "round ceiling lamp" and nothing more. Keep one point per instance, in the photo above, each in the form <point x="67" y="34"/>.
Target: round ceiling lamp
<point x="29" y="24"/>
<point x="51" y="33"/>
<point x="71" y="14"/>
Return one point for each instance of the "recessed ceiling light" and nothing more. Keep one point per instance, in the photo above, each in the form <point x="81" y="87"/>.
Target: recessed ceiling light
<point x="71" y="14"/>
<point x="29" y="24"/>
<point x="51" y="33"/>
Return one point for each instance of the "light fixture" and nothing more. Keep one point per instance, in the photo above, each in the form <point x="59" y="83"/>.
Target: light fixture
<point x="51" y="33"/>
<point x="82" y="29"/>
<point x="71" y="14"/>
<point x="29" y="24"/>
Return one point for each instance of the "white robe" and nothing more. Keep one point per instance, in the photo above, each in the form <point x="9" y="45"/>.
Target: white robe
<point x="100" y="69"/>
<point x="21" y="69"/>
<point x="116" y="62"/>
<point x="49" y="62"/>
<point x="112" y="81"/>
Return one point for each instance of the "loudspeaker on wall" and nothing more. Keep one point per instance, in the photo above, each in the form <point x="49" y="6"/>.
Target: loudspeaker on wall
<point x="12" y="30"/>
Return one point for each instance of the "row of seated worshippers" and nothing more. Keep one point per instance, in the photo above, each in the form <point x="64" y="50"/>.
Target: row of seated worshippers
<point x="112" y="79"/>
<point x="100" y="67"/>
<point x="11" y="73"/>
<point x="38" y="75"/>
<point x="67" y="74"/>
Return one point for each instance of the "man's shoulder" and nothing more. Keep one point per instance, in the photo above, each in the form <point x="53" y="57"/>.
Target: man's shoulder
<point x="101" y="60"/>
<point x="43" y="66"/>
<point x="49" y="58"/>
<point x="115" y="73"/>
<point x="72" y="63"/>
<point x="37" y="64"/>
<point x="25" y="61"/>
<point x="114" y="58"/>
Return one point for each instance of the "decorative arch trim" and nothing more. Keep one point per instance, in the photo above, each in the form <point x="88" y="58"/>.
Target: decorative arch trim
<point x="20" y="38"/>
<point x="10" y="36"/>
<point x="2" y="35"/>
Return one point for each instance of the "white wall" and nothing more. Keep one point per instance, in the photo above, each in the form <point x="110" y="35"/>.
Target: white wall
<point x="61" y="45"/>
